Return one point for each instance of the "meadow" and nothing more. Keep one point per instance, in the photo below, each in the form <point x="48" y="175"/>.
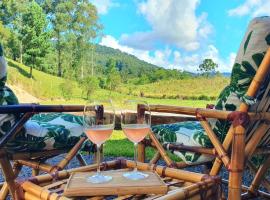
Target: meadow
<point x="47" y="88"/>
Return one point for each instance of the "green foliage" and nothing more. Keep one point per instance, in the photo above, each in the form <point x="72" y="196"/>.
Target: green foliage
<point x="89" y="85"/>
<point x="113" y="75"/>
<point x="35" y="37"/>
<point x="208" y="67"/>
<point x="67" y="89"/>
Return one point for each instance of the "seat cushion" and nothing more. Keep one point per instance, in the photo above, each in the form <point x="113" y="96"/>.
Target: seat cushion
<point x="187" y="133"/>
<point x="49" y="131"/>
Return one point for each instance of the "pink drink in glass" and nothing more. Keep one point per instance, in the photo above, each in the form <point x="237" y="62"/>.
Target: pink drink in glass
<point x="136" y="132"/>
<point x="99" y="135"/>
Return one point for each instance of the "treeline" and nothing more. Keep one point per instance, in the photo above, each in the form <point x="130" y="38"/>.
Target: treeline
<point x="53" y="36"/>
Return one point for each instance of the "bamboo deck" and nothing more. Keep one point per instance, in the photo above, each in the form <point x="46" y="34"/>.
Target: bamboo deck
<point x="181" y="184"/>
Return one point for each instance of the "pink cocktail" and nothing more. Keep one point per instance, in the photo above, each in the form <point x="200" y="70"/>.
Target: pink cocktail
<point x="99" y="135"/>
<point x="136" y="132"/>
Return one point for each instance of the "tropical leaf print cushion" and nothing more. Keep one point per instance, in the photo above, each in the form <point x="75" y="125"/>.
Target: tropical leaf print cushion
<point x="42" y="131"/>
<point x="250" y="54"/>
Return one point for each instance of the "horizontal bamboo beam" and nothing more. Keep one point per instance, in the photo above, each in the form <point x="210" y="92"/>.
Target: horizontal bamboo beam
<point x="34" y="108"/>
<point x="208" y="113"/>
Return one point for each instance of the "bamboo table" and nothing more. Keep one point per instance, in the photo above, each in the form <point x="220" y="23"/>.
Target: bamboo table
<point x="181" y="184"/>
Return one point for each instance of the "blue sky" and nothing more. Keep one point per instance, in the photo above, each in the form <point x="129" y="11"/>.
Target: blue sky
<point x="178" y="34"/>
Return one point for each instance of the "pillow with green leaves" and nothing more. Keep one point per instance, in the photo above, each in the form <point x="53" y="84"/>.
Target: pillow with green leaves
<point x="7" y="97"/>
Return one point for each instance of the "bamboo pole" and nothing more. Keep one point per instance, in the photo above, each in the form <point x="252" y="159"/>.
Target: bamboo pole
<point x="70" y="155"/>
<point x="254" y="170"/>
<point x="161" y="150"/>
<point x="9" y="176"/>
<point x="36" y="165"/>
<point x="207" y="113"/>
<point x="4" y="190"/>
<point x="238" y="142"/>
<point x="215" y="141"/>
<point x="81" y="159"/>
<point x="259" y="176"/>
<point x="141" y="152"/>
<point x="255" y="140"/>
<point x="155" y="158"/>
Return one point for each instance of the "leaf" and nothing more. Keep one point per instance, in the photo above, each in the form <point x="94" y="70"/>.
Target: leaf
<point x="257" y="58"/>
<point x="247" y="41"/>
<point x="267" y="39"/>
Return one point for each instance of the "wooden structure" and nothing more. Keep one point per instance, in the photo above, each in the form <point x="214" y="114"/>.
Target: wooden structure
<point x="254" y="125"/>
<point x="35" y="160"/>
<point x="182" y="184"/>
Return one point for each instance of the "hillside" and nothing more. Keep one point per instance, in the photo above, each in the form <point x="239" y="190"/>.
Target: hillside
<point x="45" y="88"/>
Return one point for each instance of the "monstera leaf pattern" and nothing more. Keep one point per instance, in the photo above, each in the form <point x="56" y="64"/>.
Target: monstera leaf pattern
<point x="249" y="57"/>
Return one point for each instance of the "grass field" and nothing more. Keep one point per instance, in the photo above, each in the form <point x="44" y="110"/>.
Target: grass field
<point x="46" y="87"/>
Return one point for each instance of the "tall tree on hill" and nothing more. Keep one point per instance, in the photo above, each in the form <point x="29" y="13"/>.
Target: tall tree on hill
<point x="75" y="24"/>
<point x="112" y="74"/>
<point x="35" y="36"/>
<point x="11" y="13"/>
<point x="207" y="67"/>
<point x="58" y="13"/>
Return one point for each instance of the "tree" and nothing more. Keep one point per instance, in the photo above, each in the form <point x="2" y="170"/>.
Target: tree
<point x="89" y="85"/>
<point x="113" y="75"/>
<point x="207" y="67"/>
<point x="35" y="36"/>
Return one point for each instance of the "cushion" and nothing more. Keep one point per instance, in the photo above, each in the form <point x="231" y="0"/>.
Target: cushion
<point x="250" y="54"/>
<point x="42" y="131"/>
<point x="49" y="131"/>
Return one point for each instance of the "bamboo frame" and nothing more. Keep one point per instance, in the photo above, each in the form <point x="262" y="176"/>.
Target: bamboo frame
<point x="235" y="136"/>
<point x="193" y="185"/>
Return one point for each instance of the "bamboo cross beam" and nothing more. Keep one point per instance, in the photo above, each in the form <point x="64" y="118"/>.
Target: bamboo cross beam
<point x="208" y="113"/>
<point x="34" y="108"/>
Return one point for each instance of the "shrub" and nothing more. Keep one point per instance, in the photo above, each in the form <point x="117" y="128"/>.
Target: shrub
<point x="67" y="89"/>
<point x="89" y="85"/>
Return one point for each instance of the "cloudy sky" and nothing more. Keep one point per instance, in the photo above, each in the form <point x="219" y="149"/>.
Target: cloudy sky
<point x="178" y="33"/>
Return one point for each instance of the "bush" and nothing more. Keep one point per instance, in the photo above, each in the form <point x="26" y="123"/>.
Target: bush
<point x="89" y="85"/>
<point x="67" y="89"/>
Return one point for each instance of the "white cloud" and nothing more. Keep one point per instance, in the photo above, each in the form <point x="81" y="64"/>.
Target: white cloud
<point x="103" y="6"/>
<point x="172" y="22"/>
<point x="174" y="59"/>
<point x="254" y="8"/>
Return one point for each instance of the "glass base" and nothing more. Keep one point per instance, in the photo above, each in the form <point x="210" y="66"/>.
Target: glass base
<point x="135" y="175"/>
<point x="98" y="178"/>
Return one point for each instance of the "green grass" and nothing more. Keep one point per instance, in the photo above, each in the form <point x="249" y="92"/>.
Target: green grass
<point x="120" y="146"/>
<point x="191" y="88"/>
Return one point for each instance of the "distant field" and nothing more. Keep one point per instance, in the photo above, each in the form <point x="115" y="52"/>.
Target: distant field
<point x="193" y="88"/>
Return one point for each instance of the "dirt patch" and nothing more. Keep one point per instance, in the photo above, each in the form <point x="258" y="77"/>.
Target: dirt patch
<point x="23" y="96"/>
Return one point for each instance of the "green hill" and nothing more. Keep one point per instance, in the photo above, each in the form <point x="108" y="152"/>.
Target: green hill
<point x="173" y="92"/>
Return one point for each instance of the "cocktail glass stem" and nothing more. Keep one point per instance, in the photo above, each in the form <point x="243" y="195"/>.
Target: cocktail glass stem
<point x="135" y="156"/>
<point x="98" y="159"/>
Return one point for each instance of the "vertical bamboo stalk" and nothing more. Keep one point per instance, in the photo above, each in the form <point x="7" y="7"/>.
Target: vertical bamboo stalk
<point x="4" y="190"/>
<point x="9" y="176"/>
<point x="237" y="163"/>
<point x="141" y="152"/>
<point x="238" y="152"/>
